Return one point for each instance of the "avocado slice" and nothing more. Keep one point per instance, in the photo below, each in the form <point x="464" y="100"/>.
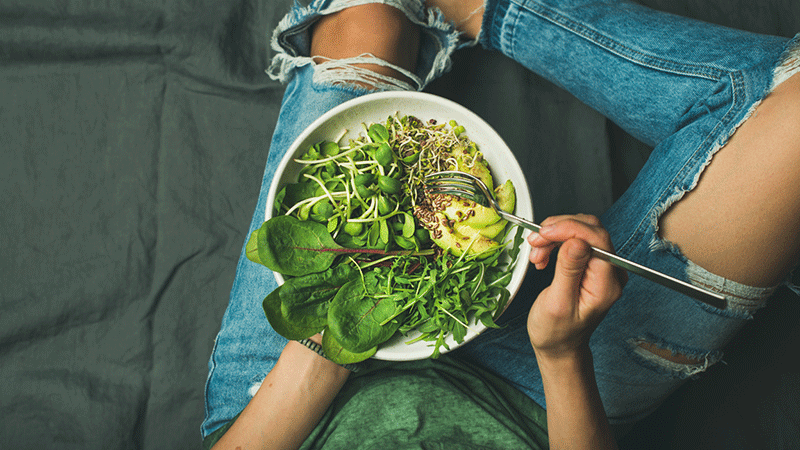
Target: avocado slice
<point x="449" y="239"/>
<point x="470" y="213"/>
<point x="465" y="224"/>
<point x="506" y="196"/>
<point x="489" y="231"/>
<point x="470" y="160"/>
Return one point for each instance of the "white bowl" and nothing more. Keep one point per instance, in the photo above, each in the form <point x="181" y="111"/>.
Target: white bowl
<point x="376" y="108"/>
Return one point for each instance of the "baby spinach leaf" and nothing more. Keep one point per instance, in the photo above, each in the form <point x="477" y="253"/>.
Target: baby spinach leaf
<point x="253" y="244"/>
<point x="299" y="308"/>
<point x="292" y="247"/>
<point x="356" y="313"/>
<point x="340" y="355"/>
<point x="281" y="324"/>
<point x="297" y="192"/>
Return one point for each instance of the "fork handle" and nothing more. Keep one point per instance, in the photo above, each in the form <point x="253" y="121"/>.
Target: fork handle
<point x="698" y="293"/>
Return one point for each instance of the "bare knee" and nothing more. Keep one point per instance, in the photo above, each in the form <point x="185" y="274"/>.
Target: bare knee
<point x="382" y="32"/>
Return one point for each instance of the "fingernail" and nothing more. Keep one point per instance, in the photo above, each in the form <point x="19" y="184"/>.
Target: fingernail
<point x="533" y="237"/>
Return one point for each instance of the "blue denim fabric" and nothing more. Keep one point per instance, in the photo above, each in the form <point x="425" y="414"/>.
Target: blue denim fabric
<point x="246" y="348"/>
<point x="677" y="84"/>
<point x="684" y="87"/>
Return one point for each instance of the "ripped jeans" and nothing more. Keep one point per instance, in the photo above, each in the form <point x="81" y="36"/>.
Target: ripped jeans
<point x="679" y="85"/>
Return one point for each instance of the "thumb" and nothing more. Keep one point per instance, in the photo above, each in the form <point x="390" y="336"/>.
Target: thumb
<point x="573" y="258"/>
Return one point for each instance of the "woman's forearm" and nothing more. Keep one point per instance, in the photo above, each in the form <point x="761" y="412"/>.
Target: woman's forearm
<point x="289" y="404"/>
<point x="575" y="415"/>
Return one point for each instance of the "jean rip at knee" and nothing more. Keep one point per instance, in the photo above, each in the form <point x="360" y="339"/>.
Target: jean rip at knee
<point x="356" y="72"/>
<point x="291" y="42"/>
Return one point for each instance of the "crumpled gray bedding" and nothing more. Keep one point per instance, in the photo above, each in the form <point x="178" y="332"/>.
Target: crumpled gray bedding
<point x="133" y="139"/>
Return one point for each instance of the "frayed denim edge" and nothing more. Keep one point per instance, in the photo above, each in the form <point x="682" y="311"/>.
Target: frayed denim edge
<point x="667" y="367"/>
<point x="743" y="299"/>
<point x="790" y="63"/>
<point x="432" y="22"/>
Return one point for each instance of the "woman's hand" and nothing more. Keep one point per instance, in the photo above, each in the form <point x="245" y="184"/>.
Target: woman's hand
<point x="583" y="289"/>
<point x="560" y="323"/>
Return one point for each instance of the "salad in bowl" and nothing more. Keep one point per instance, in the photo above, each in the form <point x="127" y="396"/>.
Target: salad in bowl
<point x="364" y="254"/>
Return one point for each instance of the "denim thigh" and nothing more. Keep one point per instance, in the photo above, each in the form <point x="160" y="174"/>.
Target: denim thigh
<point x="246" y="347"/>
<point x="684" y="87"/>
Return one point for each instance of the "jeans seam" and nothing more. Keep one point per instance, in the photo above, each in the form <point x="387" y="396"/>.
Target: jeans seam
<point x="679" y="184"/>
<point x="212" y="365"/>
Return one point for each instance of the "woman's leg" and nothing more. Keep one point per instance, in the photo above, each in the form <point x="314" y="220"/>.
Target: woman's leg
<point x="655" y="74"/>
<point x="684" y="87"/>
<point x="752" y="182"/>
<point x="327" y="58"/>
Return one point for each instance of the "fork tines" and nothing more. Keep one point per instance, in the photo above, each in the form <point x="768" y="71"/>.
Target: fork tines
<point x="456" y="183"/>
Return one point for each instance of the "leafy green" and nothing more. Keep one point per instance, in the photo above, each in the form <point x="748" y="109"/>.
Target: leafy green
<point x="296" y="192"/>
<point x="340" y="355"/>
<point x="359" y="266"/>
<point x="357" y="314"/>
<point x="299" y="308"/>
<point x="292" y="247"/>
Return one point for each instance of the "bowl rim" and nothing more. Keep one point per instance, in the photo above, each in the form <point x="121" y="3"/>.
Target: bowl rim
<point x="519" y="268"/>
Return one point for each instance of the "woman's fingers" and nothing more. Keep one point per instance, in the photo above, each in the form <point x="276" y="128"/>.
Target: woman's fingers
<point x="540" y="254"/>
<point x="558" y="229"/>
<point x="588" y="219"/>
<point x="584" y="227"/>
<point x="571" y="266"/>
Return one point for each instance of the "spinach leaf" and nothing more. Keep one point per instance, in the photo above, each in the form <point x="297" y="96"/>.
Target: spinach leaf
<point x="299" y="308"/>
<point x="291" y="246"/>
<point x="357" y="312"/>
<point x="340" y="355"/>
<point x="293" y="193"/>
<point x="279" y="323"/>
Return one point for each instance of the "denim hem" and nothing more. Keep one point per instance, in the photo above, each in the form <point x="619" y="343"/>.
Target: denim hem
<point x="789" y="63"/>
<point x="491" y="26"/>
<point x="291" y="44"/>
<point x="743" y="299"/>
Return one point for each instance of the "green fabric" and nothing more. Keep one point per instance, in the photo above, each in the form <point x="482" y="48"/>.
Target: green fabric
<point x="428" y="404"/>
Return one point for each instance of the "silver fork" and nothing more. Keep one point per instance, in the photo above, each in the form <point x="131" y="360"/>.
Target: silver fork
<point x="470" y="187"/>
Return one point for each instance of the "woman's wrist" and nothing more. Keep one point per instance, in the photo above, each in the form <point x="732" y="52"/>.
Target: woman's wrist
<point x="573" y="360"/>
<point x="306" y="360"/>
<point x="306" y="376"/>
